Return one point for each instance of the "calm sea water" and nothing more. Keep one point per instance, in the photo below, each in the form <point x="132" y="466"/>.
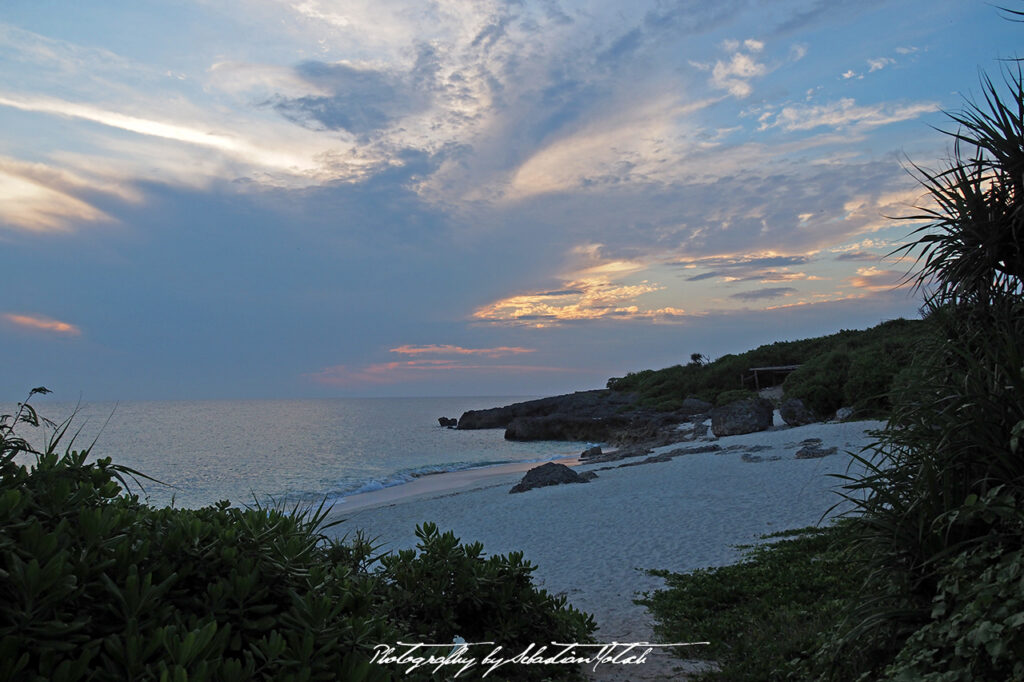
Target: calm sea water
<point x="289" y="450"/>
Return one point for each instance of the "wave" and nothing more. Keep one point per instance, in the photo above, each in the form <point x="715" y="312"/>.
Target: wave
<point x="339" y="493"/>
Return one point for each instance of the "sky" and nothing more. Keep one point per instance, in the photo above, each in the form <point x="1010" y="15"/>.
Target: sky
<point x="204" y="199"/>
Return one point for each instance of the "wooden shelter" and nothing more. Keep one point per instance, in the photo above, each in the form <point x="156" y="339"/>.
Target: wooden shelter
<point x="769" y="375"/>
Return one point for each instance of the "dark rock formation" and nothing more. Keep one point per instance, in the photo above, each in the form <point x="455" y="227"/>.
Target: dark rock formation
<point x="591" y="452"/>
<point x="606" y="416"/>
<point x="795" y="413"/>
<point x="590" y="404"/>
<point x="814" y="451"/>
<point x="694" y="406"/>
<point x="545" y="475"/>
<point x="844" y="413"/>
<point x="666" y="456"/>
<point x="742" y="416"/>
<point x="447" y="421"/>
<point x="564" y="427"/>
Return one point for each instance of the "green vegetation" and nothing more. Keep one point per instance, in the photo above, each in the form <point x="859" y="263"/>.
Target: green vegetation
<point x="934" y="550"/>
<point x="762" y="614"/>
<point x="95" y="585"/>
<point x="850" y="368"/>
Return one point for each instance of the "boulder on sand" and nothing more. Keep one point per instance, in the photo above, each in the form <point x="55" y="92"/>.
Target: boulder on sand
<point x="795" y="413"/>
<point x="447" y="421"/>
<point x="551" y="473"/>
<point x="742" y="416"/>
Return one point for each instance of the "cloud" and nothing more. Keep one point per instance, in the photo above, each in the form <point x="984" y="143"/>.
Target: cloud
<point x="419" y="368"/>
<point x="857" y="255"/>
<point x="735" y="73"/>
<point x="876" y="279"/>
<point x="846" y="113"/>
<point x="227" y="142"/>
<point x="747" y="267"/>
<point x="598" y="298"/>
<point x="30" y="204"/>
<point x="608" y="151"/>
<point x="762" y="294"/>
<point x="496" y="352"/>
<point x="42" y="323"/>
<point x="706" y="275"/>
<point x="361" y="100"/>
<point x="597" y="288"/>
<point x="879" y="63"/>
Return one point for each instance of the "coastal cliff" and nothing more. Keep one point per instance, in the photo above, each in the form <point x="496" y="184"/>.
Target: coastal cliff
<point x="599" y="415"/>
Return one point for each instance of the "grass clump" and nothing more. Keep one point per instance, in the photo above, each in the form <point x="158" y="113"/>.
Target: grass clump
<point x="763" y="613"/>
<point x="96" y="585"/>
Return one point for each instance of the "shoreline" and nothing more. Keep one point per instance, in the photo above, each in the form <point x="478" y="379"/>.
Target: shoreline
<point x="443" y="483"/>
<point x="593" y="542"/>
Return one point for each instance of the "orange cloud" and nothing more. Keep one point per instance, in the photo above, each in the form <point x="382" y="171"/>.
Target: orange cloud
<point x="41" y="323"/>
<point x="411" y="370"/>
<point x="420" y="367"/>
<point x="448" y="349"/>
<point x="592" y="298"/>
<point x="874" y="279"/>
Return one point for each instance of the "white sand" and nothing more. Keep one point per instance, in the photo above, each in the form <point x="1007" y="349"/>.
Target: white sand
<point x="593" y="541"/>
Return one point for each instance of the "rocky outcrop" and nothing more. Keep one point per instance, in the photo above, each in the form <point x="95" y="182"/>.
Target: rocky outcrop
<point x="589" y="404"/>
<point x="844" y="413"/>
<point x="591" y="452"/>
<point x="694" y="406"/>
<point x="447" y="421"/>
<point x="742" y="416"/>
<point x="564" y="427"/>
<point x="548" y="474"/>
<point x="795" y="413"/>
<point x="606" y="416"/>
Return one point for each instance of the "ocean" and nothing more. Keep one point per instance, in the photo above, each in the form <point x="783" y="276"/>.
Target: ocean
<point x="288" y="451"/>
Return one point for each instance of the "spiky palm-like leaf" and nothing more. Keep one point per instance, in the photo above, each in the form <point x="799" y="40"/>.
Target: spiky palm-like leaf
<point x="972" y="243"/>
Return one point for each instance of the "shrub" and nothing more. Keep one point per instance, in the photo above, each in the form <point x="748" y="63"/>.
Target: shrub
<point x="726" y="397"/>
<point x="763" y="614"/>
<point x="820" y="382"/>
<point x="95" y="585"/>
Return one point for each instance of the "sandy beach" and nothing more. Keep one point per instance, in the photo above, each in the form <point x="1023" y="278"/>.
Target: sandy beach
<point x="593" y="541"/>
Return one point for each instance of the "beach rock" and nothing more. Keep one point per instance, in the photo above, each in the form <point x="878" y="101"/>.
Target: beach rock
<point x="795" y="413"/>
<point x="747" y="457"/>
<point x="447" y="421"/>
<point x="551" y="473"/>
<point x="815" y="451"/>
<point x="621" y="453"/>
<point x="588" y="476"/>
<point x="667" y="456"/>
<point x="564" y="427"/>
<point x="742" y="416"/>
<point x="694" y="406"/>
<point x="589" y="404"/>
<point x="591" y="452"/>
<point x="844" y="413"/>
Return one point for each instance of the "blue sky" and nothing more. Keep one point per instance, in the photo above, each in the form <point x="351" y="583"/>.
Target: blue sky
<point x="291" y="198"/>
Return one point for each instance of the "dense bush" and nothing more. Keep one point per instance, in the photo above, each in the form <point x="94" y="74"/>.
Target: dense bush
<point x="941" y="506"/>
<point x="763" y="613"/>
<point x="726" y="397"/>
<point x="96" y="585"/>
<point x="849" y="368"/>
